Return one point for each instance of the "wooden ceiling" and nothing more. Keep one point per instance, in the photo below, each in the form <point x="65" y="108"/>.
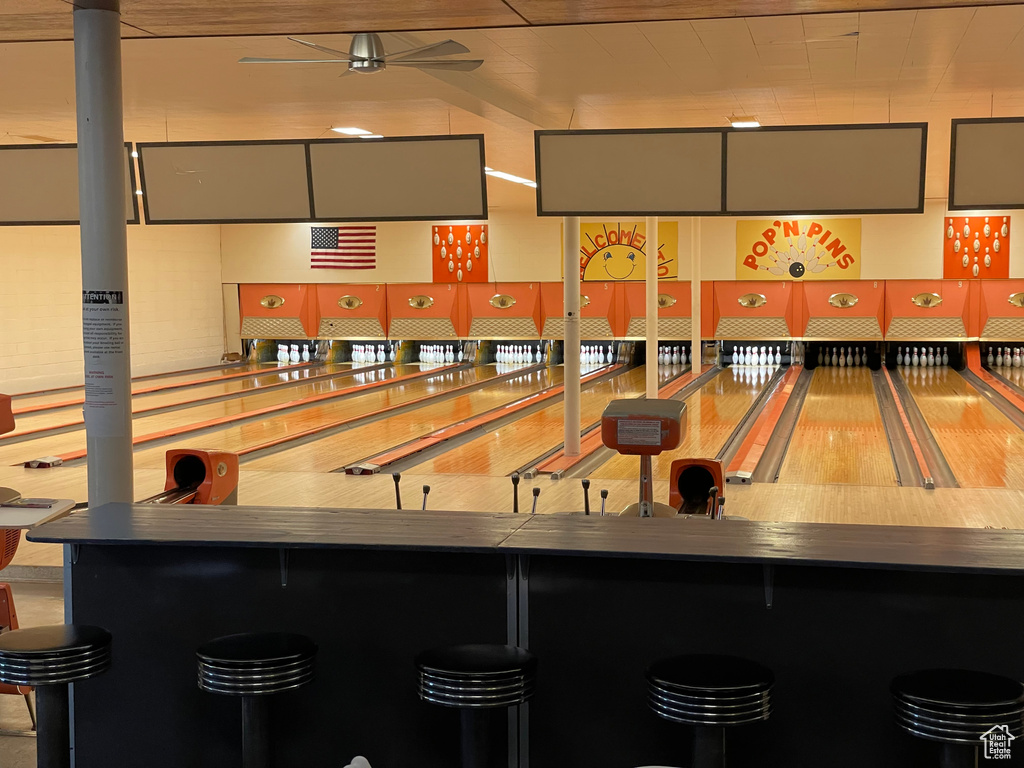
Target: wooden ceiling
<point x="37" y="20"/>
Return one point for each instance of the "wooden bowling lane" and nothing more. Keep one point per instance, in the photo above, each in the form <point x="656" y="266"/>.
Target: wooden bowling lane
<point x="507" y="449"/>
<point x="839" y="437"/>
<point x="335" y="451"/>
<point x="249" y="389"/>
<point x="982" y="447"/>
<point x="712" y="413"/>
<point x="236" y="373"/>
<point x="257" y="432"/>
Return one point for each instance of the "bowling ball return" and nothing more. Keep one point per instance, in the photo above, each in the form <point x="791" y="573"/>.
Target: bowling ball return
<point x="195" y="476"/>
<point x="644" y="428"/>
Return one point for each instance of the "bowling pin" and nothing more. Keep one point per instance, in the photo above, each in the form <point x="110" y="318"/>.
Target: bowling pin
<point x="450" y="357"/>
<point x="600" y="355"/>
<point x="762" y="359"/>
<point x="856" y="358"/>
<point x="778" y="355"/>
<point x="820" y="357"/>
<point x="842" y="358"/>
<point x="899" y="356"/>
<point x="294" y="356"/>
<point x="661" y="356"/>
<point x="735" y="360"/>
<point x="931" y="357"/>
<point x="459" y="356"/>
<point x="915" y="359"/>
<point x="305" y="353"/>
<point x="682" y="356"/>
<point x="999" y="357"/>
<point x="393" y="353"/>
<point x="675" y="356"/>
<point x="991" y="358"/>
<point x="987" y="229"/>
<point x="835" y="357"/>
<point x="945" y="356"/>
<point x="1016" y="357"/>
<point x="381" y="356"/>
<point x="282" y="356"/>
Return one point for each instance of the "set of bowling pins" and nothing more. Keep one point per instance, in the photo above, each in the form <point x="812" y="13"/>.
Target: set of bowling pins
<point x="751" y="356"/>
<point x="850" y="357"/>
<point x="1002" y="358"/>
<point x="672" y="356"/>
<point x="286" y="354"/>
<point x="364" y="353"/>
<point x="440" y="353"/>
<point x="594" y="355"/>
<point x="517" y="354"/>
<point x="926" y="359"/>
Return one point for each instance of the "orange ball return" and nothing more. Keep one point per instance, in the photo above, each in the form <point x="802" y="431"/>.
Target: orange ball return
<point x="199" y="477"/>
<point x="644" y="428"/>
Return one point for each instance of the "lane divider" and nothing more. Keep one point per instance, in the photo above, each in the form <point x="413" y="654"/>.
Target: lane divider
<point x="753" y="446"/>
<point x="381" y="461"/>
<point x="591" y="442"/>
<point x="922" y="464"/>
<point x="167" y="387"/>
<point x="974" y="365"/>
<point x="67" y="425"/>
<point x="54" y="390"/>
<point x="248" y="415"/>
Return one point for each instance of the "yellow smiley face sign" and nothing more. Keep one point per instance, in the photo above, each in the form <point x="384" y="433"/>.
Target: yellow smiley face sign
<point x="617" y="251"/>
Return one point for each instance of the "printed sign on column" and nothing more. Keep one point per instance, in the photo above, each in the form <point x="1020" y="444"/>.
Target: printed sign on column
<point x="616" y="251"/>
<point x="105" y="337"/>
<point x="459" y="253"/>
<point x="975" y="246"/>
<point x="798" y="249"/>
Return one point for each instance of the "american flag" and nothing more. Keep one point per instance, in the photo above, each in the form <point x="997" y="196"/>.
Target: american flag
<point x="344" y="247"/>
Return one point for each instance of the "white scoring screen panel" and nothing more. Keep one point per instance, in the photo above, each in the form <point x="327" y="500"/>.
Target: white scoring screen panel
<point x="39" y="185"/>
<point x="584" y="173"/>
<point x="988" y="165"/>
<point x="253" y="181"/>
<point x="859" y="169"/>
<point x="406" y="179"/>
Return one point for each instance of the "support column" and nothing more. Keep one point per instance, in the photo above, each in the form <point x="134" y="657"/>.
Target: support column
<point x="651" y="283"/>
<point x="695" y="309"/>
<point x="571" y="348"/>
<point x="104" y="236"/>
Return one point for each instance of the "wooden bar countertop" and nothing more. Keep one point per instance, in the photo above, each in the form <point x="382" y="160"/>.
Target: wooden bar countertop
<point x="688" y="539"/>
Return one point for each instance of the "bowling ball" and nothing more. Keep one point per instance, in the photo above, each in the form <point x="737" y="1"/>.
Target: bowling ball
<point x="796" y="269"/>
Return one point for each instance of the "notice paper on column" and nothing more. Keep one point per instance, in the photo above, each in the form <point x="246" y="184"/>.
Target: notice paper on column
<point x="105" y="336"/>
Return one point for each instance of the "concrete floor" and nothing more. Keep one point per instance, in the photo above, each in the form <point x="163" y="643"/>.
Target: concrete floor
<point x="37" y="603"/>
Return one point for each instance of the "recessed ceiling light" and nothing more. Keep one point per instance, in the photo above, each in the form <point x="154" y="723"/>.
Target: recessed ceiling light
<point x="353" y="131"/>
<point x="744" y="122"/>
<point x="134" y="153"/>
<point x="371" y="136"/>
<point x="138" y="191"/>
<point x="510" y="177"/>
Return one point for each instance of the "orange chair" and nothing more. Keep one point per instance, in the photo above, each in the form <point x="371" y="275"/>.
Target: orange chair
<point x="690" y="483"/>
<point x="9" y="621"/>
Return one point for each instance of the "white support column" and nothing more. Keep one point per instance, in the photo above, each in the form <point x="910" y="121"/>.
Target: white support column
<point x="571" y="349"/>
<point x="695" y="294"/>
<point x="651" y="283"/>
<point x="104" y="236"/>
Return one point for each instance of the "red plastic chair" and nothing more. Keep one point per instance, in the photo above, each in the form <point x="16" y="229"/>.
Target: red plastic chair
<point x="8" y="622"/>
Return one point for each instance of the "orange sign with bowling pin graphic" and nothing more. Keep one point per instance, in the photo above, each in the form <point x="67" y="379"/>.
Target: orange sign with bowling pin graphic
<point x="975" y="247"/>
<point x="798" y="249"/>
<point x="459" y="253"/>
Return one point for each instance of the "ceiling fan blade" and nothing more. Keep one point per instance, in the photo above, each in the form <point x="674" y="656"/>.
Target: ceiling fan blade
<point x="250" y="60"/>
<point x="321" y="48"/>
<point x="444" y="48"/>
<point x="462" y="65"/>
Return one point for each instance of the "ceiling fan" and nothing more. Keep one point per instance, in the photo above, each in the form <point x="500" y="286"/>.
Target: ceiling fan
<point x="366" y="54"/>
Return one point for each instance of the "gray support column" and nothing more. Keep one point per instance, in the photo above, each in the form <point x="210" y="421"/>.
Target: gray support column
<point x="571" y="310"/>
<point x="101" y="195"/>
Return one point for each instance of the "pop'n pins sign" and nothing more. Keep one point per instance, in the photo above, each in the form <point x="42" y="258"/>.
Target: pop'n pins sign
<point x="798" y="249"/>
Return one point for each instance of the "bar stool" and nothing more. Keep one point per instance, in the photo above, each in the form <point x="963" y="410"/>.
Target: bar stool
<point x="961" y="709"/>
<point x="711" y="693"/>
<point x="476" y="679"/>
<point x="49" y="658"/>
<point x="252" y="667"/>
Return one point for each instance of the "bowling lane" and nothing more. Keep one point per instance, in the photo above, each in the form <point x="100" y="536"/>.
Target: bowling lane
<point x="839" y="436"/>
<point x="352" y="445"/>
<point x="245" y="388"/>
<point x="257" y="432"/>
<point x="983" y="447"/>
<point x="712" y="413"/>
<point x="506" y="449"/>
<point x="170" y="379"/>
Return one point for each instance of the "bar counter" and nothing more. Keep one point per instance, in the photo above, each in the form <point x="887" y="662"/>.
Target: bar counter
<point x="835" y="610"/>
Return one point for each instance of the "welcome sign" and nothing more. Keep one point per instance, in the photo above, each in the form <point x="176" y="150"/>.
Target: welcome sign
<point x="616" y="251"/>
<point x="798" y="249"/>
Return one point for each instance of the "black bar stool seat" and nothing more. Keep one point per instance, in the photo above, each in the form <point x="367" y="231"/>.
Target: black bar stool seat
<point x="253" y="666"/>
<point x="49" y="658"/>
<point x="711" y="693"/>
<point x="473" y="678"/>
<point x="958" y="707"/>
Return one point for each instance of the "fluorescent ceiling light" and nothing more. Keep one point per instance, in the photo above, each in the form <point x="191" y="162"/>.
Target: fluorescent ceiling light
<point x="510" y="177"/>
<point x="353" y="131"/>
<point x="371" y="136"/>
<point x="744" y="122"/>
